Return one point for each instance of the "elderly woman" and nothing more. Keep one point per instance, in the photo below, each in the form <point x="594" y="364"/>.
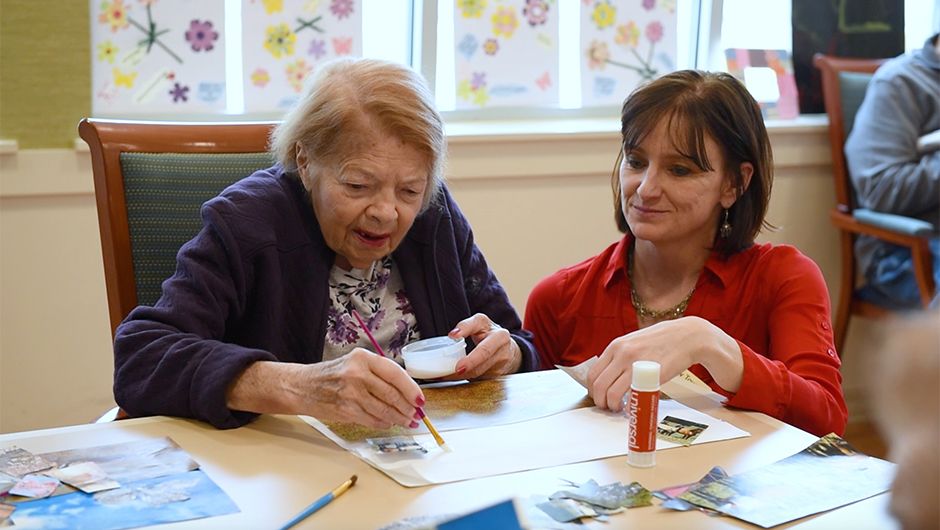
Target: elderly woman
<point x="257" y="317"/>
<point x="687" y="286"/>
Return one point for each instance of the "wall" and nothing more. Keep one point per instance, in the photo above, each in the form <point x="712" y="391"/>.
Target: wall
<point x="537" y="202"/>
<point x="45" y="71"/>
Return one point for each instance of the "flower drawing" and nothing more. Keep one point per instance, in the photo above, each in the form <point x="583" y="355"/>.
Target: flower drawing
<point x="279" y="40"/>
<point x="201" y="36"/>
<point x="114" y="14"/>
<point x="649" y="5"/>
<point x="296" y="73"/>
<point x="478" y="80"/>
<point x="317" y="48"/>
<point x="341" y="8"/>
<point x="654" y="32"/>
<point x="504" y="22"/>
<point x="598" y="55"/>
<point x="273" y="6"/>
<point x="468" y="45"/>
<point x="627" y="34"/>
<point x="604" y="15"/>
<point x="179" y="92"/>
<point x="535" y="12"/>
<point x="260" y="77"/>
<point x="107" y="51"/>
<point x="474" y="89"/>
<point x="471" y="8"/>
<point x="491" y="46"/>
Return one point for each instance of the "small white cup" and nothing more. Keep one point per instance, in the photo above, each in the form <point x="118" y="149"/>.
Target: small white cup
<point x="434" y="357"/>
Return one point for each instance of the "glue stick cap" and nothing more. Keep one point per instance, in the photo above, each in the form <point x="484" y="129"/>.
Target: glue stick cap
<point x="645" y="376"/>
<point x="636" y="459"/>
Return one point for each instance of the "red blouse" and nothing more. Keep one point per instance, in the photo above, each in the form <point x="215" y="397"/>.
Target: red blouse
<point x="771" y="299"/>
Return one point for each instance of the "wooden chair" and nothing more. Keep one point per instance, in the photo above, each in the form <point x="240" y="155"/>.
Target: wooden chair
<point x="150" y="181"/>
<point x="844" y="82"/>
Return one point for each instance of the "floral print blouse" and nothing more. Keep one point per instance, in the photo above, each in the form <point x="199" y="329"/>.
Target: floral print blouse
<point x="378" y="294"/>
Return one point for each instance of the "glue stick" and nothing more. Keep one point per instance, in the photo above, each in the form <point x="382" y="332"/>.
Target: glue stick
<point x="642" y="413"/>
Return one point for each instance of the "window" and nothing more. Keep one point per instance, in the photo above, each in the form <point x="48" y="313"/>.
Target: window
<point x="246" y="59"/>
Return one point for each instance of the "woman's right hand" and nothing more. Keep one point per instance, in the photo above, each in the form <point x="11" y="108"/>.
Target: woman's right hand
<point x="360" y="387"/>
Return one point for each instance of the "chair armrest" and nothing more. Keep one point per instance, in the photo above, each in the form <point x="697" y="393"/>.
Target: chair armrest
<point x="894" y="223"/>
<point x="853" y="225"/>
<point x="114" y="414"/>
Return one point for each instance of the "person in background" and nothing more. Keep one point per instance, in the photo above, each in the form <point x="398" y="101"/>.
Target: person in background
<point x="905" y="383"/>
<point x="687" y="286"/>
<point x="354" y="216"/>
<point x="893" y="156"/>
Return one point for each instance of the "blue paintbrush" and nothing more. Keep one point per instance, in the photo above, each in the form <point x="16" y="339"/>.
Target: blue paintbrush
<point x="321" y="502"/>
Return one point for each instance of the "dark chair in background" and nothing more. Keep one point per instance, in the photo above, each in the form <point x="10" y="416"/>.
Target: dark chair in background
<point x="150" y="181"/>
<point x="844" y="82"/>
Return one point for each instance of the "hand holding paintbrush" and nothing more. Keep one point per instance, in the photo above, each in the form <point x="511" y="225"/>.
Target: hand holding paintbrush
<point x="420" y="411"/>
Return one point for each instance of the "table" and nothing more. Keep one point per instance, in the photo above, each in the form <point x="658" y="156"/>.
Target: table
<point x="277" y="465"/>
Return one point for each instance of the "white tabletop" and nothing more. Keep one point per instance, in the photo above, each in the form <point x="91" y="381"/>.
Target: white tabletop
<point x="277" y="465"/>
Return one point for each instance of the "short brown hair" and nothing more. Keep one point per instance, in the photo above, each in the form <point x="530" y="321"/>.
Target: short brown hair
<point x="694" y="104"/>
<point x="350" y="100"/>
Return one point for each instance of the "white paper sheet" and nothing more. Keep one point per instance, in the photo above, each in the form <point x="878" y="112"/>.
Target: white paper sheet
<point x="568" y="437"/>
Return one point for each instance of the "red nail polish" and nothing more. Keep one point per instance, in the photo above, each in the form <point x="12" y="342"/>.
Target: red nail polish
<point x="461" y="370"/>
<point x="420" y="401"/>
<point x="455" y="330"/>
<point x="413" y="425"/>
<point x="419" y="413"/>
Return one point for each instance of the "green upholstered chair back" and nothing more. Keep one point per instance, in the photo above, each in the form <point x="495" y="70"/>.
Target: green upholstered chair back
<point x="852" y="86"/>
<point x="164" y="193"/>
<point x="151" y="178"/>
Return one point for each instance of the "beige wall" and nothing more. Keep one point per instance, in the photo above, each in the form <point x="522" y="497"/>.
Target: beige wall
<point x="537" y="202"/>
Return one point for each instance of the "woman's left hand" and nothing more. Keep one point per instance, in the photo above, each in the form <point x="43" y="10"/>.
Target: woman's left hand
<point x="496" y="353"/>
<point x="675" y="345"/>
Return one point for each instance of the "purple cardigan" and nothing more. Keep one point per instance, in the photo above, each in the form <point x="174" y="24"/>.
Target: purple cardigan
<point x="253" y="286"/>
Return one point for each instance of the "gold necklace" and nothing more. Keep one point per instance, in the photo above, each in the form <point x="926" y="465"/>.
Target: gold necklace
<point x="642" y="311"/>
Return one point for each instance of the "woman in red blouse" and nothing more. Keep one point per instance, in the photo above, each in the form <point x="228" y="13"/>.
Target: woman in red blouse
<point x="687" y="286"/>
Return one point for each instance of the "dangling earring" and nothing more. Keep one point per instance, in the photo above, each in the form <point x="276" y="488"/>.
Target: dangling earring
<point x="725" y="229"/>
